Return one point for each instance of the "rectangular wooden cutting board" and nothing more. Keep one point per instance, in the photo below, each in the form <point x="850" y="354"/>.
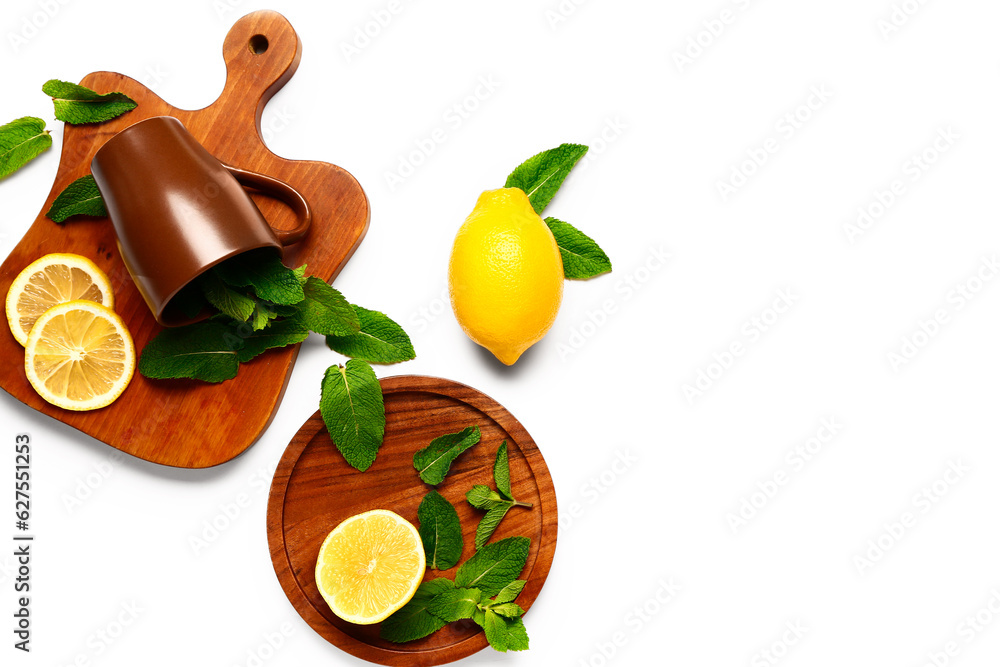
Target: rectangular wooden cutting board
<point x="186" y="423"/>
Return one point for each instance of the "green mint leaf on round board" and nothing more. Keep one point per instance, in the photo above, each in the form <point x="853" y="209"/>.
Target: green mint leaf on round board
<point x="81" y="197"/>
<point x="279" y="334"/>
<point x="510" y="592"/>
<point x="501" y="472"/>
<point x="483" y="497"/>
<point x="265" y="274"/>
<point x="414" y="620"/>
<point x="78" y="105"/>
<point x="353" y="411"/>
<point x="440" y="531"/>
<point x="203" y="351"/>
<point x="21" y="141"/>
<point x="542" y="175"/>
<point x="494" y="566"/>
<point x="433" y="461"/>
<point x="325" y="310"/>
<point x="379" y="341"/>
<point x="581" y="256"/>
<point x="488" y="524"/>
<point x="505" y="634"/>
<point x="455" y="604"/>
<point x="507" y="610"/>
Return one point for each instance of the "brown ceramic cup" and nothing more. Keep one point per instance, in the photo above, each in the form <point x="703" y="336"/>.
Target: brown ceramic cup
<point x="178" y="211"/>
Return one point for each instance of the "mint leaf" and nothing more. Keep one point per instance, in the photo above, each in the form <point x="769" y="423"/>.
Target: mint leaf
<point x="507" y="610"/>
<point x="496" y="503"/>
<point x="440" y="531"/>
<point x="501" y="472"/>
<point x="455" y="604"/>
<point x="541" y="176"/>
<point x="278" y="334"/>
<point x="325" y="310"/>
<point x="581" y="256"/>
<point x="433" y="461"/>
<point x="81" y="197"/>
<point x="483" y="497"/>
<point x="494" y="566"/>
<point x="227" y="300"/>
<point x="263" y="313"/>
<point x="510" y="592"/>
<point x="379" y="341"/>
<point x="265" y="274"/>
<point x="353" y="411"/>
<point x="414" y="620"/>
<point x="77" y="104"/>
<point x="21" y="141"/>
<point x="488" y="524"/>
<point x="202" y="351"/>
<point x="505" y="634"/>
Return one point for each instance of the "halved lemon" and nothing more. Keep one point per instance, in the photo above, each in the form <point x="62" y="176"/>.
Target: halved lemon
<point x="79" y="355"/>
<point x="49" y="281"/>
<point x="369" y="566"/>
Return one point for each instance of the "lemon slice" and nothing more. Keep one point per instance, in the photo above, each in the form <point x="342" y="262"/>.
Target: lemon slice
<point x="79" y="355"/>
<point x="49" y="281"/>
<point x="369" y="566"/>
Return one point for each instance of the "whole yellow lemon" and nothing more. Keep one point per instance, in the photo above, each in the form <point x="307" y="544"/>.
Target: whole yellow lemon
<point x="505" y="275"/>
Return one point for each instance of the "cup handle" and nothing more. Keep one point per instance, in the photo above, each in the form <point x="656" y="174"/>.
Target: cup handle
<point x="284" y="192"/>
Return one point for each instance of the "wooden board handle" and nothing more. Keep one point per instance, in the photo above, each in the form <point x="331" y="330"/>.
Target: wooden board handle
<point x="262" y="52"/>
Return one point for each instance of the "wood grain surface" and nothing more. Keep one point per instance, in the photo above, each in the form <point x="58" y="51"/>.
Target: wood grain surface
<point x="314" y="490"/>
<point x="175" y="422"/>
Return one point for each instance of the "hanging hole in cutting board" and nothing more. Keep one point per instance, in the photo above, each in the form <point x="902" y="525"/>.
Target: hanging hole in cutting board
<point x="257" y="44"/>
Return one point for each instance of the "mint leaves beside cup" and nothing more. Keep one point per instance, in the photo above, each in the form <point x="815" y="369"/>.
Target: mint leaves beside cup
<point x="79" y="105"/>
<point x="259" y="304"/>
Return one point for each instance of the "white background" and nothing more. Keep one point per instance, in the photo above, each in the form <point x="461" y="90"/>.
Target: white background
<point x="672" y="132"/>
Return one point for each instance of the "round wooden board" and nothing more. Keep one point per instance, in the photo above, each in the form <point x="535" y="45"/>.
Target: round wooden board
<point x="314" y="490"/>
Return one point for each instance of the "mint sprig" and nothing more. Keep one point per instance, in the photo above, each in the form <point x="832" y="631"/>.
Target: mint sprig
<point x="21" y="141"/>
<point x="77" y="105"/>
<point x="496" y="503"/>
<point x="491" y="572"/>
<point x="81" y="197"/>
